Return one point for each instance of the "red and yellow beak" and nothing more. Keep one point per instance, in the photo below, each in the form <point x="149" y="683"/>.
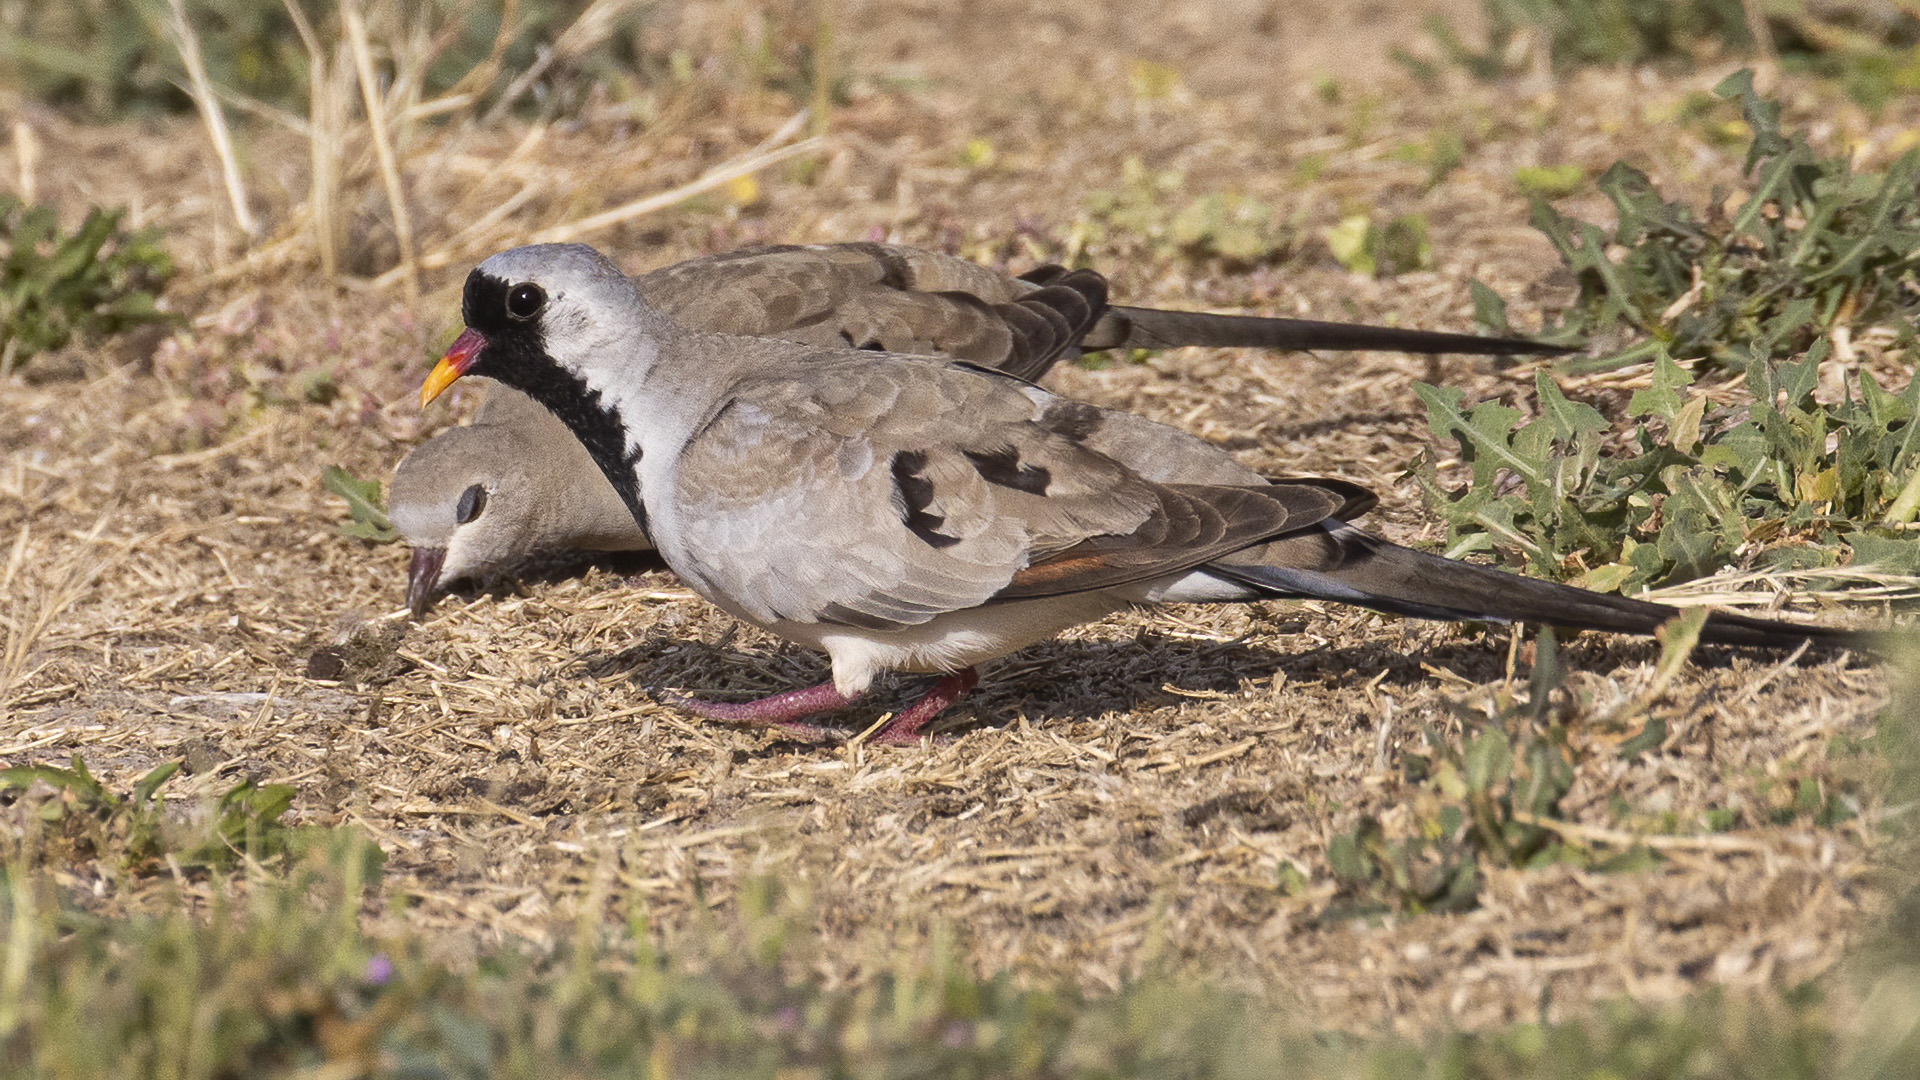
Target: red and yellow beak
<point x="460" y="357"/>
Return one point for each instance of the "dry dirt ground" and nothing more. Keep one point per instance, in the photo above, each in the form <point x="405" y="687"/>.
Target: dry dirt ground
<point x="1133" y="793"/>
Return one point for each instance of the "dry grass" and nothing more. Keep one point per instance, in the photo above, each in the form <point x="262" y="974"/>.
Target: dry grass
<point x="1128" y="795"/>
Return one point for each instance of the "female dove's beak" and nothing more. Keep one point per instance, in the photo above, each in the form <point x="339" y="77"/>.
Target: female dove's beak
<point x="423" y="578"/>
<point x="460" y="357"/>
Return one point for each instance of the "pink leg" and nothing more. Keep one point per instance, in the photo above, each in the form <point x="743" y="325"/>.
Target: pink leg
<point x="781" y="712"/>
<point x="904" y="729"/>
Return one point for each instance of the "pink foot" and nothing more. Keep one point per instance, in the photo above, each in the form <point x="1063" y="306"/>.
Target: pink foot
<point x="904" y="729"/>
<point x="781" y="712"/>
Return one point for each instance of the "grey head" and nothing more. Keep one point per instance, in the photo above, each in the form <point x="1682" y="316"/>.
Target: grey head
<point x="586" y="297"/>
<point x="561" y="324"/>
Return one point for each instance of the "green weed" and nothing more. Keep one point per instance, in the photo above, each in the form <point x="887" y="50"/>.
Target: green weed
<point x="1482" y="799"/>
<point x="1234" y="227"/>
<point x="1813" y="245"/>
<point x="1147" y="206"/>
<point x="89" y="284"/>
<point x="110" y="57"/>
<point x="83" y="817"/>
<point x="1784" y="483"/>
<point x="1365" y="246"/>
<point x="1868" y="49"/>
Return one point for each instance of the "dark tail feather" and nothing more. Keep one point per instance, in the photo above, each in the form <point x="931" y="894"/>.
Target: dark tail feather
<point x="1352" y="567"/>
<point x="1151" y="328"/>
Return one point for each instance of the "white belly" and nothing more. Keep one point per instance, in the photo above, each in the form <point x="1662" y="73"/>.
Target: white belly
<point x="946" y="643"/>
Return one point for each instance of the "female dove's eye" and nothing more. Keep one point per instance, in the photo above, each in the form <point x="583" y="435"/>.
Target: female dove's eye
<point x="472" y="501"/>
<point x="525" y="301"/>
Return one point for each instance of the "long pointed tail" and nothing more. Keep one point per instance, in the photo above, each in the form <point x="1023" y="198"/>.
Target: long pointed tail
<point x="1342" y="563"/>
<point x="1152" y="328"/>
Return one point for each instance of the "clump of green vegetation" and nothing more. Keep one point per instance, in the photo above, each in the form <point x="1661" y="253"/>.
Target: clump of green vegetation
<point x="284" y="980"/>
<point x="1485" y="801"/>
<point x="1784" y="483"/>
<point x="80" y="816"/>
<point x="94" y="282"/>
<point x="1867" y="48"/>
<point x="110" y="57"/>
<point x="1147" y="206"/>
<point x="1812" y="246"/>
<point x="1231" y="226"/>
<point x="1596" y="32"/>
<point x="1692" y="488"/>
<point x="1365" y="246"/>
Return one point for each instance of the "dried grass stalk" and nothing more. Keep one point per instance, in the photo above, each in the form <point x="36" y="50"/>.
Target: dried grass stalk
<point x="26" y="160"/>
<point x="200" y="88"/>
<point x="356" y="29"/>
<point x="479" y="237"/>
<point x="29" y="614"/>
<point x="328" y="106"/>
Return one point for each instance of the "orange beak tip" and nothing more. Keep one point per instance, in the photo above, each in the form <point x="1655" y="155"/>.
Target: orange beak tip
<point x="442" y="376"/>
<point x="460" y="356"/>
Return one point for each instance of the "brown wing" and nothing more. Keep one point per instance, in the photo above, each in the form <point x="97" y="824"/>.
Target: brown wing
<point x="883" y="492"/>
<point x="884" y="298"/>
<point x="1188" y="526"/>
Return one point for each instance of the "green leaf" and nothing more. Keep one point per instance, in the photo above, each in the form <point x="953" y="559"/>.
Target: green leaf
<point x="1547" y="673"/>
<point x="1761" y="114"/>
<point x="144" y="790"/>
<point x="368" y="521"/>
<point x="1549" y="181"/>
<point x="1895" y="555"/>
<point x="1489" y="761"/>
<point x="1664" y="398"/>
<point x="1677" y="641"/>
<point x="1570" y="418"/>
<point x="1344" y="859"/>
<point x="1353" y="242"/>
<point x="1484" y="432"/>
<point x="1489" y="311"/>
<point x="1648" y="738"/>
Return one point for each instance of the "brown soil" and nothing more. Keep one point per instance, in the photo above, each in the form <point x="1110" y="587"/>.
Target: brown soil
<point x="1132" y="793"/>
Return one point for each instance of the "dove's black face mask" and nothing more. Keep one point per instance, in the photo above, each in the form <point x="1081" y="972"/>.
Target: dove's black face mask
<point x="509" y="316"/>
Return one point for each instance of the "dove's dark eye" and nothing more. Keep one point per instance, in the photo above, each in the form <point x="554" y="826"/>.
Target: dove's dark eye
<point x="472" y="501"/>
<point x="525" y="301"/>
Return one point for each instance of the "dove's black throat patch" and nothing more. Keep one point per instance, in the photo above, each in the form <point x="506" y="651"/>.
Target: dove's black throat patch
<point x="516" y="354"/>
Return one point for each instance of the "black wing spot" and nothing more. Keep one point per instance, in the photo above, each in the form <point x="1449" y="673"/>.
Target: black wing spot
<point x="915" y="494"/>
<point x="1004" y="467"/>
<point x="1071" y="420"/>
